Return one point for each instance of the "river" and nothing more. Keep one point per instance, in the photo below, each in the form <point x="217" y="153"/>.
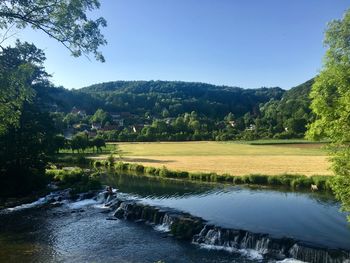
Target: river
<point x="85" y="231"/>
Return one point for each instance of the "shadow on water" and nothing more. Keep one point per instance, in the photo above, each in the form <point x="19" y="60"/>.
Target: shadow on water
<point x="152" y="186"/>
<point x="63" y="234"/>
<point x="79" y="232"/>
<point x="309" y="216"/>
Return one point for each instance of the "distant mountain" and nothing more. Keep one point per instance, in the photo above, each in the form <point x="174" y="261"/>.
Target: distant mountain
<point x="247" y="113"/>
<point x="300" y="91"/>
<point x="178" y="97"/>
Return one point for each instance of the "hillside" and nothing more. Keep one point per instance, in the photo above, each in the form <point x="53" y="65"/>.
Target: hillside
<point x="213" y="112"/>
<point x="177" y="98"/>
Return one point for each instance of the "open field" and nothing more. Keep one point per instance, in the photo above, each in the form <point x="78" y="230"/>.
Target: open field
<point x="228" y="157"/>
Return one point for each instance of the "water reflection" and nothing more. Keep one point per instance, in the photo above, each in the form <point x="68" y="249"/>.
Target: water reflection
<point x="308" y="216"/>
<point x="79" y="232"/>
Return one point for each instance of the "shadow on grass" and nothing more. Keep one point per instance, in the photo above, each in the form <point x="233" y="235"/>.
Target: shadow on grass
<point x="146" y="160"/>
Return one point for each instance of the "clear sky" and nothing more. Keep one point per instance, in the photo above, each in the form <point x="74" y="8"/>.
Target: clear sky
<point x="246" y="43"/>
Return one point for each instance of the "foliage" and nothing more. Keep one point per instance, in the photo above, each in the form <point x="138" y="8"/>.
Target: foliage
<point x="64" y="20"/>
<point x="186" y="111"/>
<point x="100" y="117"/>
<point x="111" y="159"/>
<point x="23" y="152"/>
<point x="98" y="142"/>
<point x="28" y="133"/>
<point x="331" y="103"/>
<point x="79" y="142"/>
<point x="20" y="68"/>
<point x="286" y="180"/>
<point x="71" y="159"/>
<point x="75" y="178"/>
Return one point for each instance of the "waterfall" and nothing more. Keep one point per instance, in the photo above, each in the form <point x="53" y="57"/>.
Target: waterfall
<point x="165" y="223"/>
<point x="314" y="255"/>
<point x="255" y="245"/>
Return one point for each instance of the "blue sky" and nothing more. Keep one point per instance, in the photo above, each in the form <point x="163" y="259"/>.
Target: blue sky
<point x="246" y="43"/>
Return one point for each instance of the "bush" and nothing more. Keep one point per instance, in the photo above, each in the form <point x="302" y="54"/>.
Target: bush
<point x="75" y="178"/>
<point x="288" y="180"/>
<point x="164" y="172"/>
<point x="301" y="182"/>
<point x="322" y="182"/>
<point x="181" y="174"/>
<point x="150" y="170"/>
<point x="258" y="179"/>
<point x="136" y="167"/>
<point x="111" y="159"/>
<point x="274" y="180"/>
<point x="238" y="180"/>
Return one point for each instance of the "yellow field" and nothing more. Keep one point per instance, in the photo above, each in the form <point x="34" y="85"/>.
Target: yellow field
<point x="232" y="158"/>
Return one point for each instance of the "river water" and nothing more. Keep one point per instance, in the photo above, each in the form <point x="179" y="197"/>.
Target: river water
<point x="80" y="232"/>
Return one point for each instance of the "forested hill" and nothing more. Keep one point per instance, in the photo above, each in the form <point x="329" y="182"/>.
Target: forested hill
<point x="260" y="113"/>
<point x="174" y="97"/>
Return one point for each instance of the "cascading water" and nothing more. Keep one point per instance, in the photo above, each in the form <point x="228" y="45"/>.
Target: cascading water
<point x="187" y="227"/>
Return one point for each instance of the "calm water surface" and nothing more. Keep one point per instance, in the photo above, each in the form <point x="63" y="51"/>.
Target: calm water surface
<point x="79" y="232"/>
<point x="307" y="216"/>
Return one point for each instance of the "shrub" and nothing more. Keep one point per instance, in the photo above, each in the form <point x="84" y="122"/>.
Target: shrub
<point x="164" y="172"/>
<point x="258" y="179"/>
<point x="150" y="170"/>
<point x="111" y="159"/>
<point x="301" y="182"/>
<point x="182" y="174"/>
<point x="322" y="182"/>
<point x="274" y="180"/>
<point x="136" y="167"/>
<point x="213" y="177"/>
<point x="75" y="178"/>
<point x="238" y="180"/>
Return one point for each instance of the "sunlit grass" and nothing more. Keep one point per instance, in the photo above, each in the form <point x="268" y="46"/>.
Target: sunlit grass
<point x="229" y="157"/>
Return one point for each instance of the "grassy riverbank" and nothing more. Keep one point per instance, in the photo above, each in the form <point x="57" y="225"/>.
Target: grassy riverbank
<point x="293" y="181"/>
<point x="271" y="157"/>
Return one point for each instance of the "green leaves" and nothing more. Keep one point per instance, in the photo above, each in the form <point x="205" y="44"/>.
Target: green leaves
<point x="331" y="104"/>
<point x="20" y="67"/>
<point x="64" y="20"/>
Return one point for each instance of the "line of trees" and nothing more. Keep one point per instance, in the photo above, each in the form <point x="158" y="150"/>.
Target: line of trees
<point x="81" y="142"/>
<point x="28" y="135"/>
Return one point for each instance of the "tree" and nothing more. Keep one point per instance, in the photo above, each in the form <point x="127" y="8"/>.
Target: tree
<point x="71" y="119"/>
<point x="64" y="20"/>
<point x="79" y="141"/>
<point x="20" y="67"/>
<point x="24" y="151"/>
<point x="98" y="142"/>
<point x="331" y="104"/>
<point x="101" y="117"/>
<point x="58" y="142"/>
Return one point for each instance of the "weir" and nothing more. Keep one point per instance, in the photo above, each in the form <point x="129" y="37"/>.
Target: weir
<point x="185" y="226"/>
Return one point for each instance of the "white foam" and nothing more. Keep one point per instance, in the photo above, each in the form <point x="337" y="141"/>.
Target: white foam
<point x="101" y="206"/>
<point x="162" y="228"/>
<point x="82" y="203"/>
<point x="290" y="260"/>
<point x="38" y="202"/>
<point x="249" y="253"/>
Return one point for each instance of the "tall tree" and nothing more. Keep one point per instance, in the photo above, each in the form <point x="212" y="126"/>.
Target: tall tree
<point x="331" y="104"/>
<point x="64" y="20"/>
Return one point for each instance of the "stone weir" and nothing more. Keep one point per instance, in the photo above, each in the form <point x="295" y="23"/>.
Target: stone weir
<point x="196" y="230"/>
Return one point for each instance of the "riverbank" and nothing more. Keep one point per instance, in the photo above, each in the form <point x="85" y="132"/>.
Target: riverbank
<point x="295" y="181"/>
<point x="74" y="179"/>
<point x="197" y="222"/>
